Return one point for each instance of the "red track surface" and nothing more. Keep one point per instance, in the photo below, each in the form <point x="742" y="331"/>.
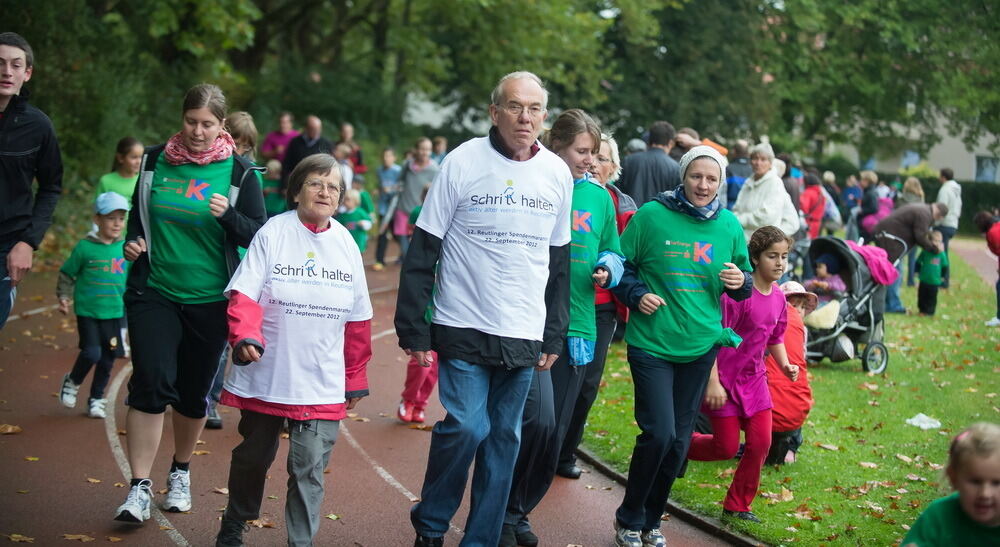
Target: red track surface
<point x="368" y="486"/>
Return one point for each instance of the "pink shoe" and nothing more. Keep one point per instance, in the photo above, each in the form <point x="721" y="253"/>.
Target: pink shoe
<point x="418" y="416"/>
<point x="405" y="411"/>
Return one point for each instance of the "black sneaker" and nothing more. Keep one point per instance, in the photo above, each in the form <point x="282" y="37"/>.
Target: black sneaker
<point x="424" y="541"/>
<point x="231" y="533"/>
<point x="526" y="538"/>
<point x="742" y="515"/>
<point x="508" y="536"/>
<point x="569" y="472"/>
<point x="214" y="421"/>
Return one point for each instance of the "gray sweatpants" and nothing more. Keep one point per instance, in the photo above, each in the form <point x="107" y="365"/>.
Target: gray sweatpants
<point x="310" y="444"/>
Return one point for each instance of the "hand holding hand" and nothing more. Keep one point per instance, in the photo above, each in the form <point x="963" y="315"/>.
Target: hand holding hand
<point x="732" y="277"/>
<point x="218" y="204"/>
<point x="546" y="361"/>
<point x="135" y="248"/>
<point x="248" y="353"/>
<point x="601" y="277"/>
<point x="424" y="358"/>
<point x="650" y="302"/>
<point x="352" y="402"/>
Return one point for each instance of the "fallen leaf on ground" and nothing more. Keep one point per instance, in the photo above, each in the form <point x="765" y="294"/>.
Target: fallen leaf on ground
<point x="421" y="427"/>
<point x="122" y="432"/>
<point x="114" y="539"/>
<point x="22" y="491"/>
<point x="120" y="485"/>
<point x="221" y="491"/>
<point x="589" y="486"/>
<point x="162" y="491"/>
<point x="728" y="472"/>
<point x="92" y="480"/>
<point x="18" y="538"/>
<point x="708" y="485"/>
<point x="201" y="452"/>
<point x="352" y="414"/>
<point x="200" y="442"/>
<point x="8" y="429"/>
<point x="261" y="523"/>
<point x="904" y="458"/>
<point x="868" y="465"/>
<point x="828" y="446"/>
<point x="914" y="477"/>
<point x="331" y="516"/>
<point x="361" y="419"/>
<point x="31" y="458"/>
<point x="83" y="538"/>
<point x="165" y="528"/>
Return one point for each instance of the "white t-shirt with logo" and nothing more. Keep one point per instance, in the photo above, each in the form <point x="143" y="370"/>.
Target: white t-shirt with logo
<point x="497" y="218"/>
<point x="309" y="285"/>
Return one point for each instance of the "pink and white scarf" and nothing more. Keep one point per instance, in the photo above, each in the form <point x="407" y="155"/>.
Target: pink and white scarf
<point x="178" y="154"/>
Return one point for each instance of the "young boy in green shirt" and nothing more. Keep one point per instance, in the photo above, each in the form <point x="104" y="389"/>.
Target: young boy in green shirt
<point x="356" y="219"/>
<point x="933" y="268"/>
<point x="95" y="275"/>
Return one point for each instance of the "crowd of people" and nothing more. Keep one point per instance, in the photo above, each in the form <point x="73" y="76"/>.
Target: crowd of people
<point x="197" y="253"/>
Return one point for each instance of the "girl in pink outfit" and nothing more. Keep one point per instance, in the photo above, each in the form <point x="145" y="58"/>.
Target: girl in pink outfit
<point x="737" y="396"/>
<point x="420" y="382"/>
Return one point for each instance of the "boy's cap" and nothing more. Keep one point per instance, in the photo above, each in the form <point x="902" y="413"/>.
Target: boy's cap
<point x="794" y="288"/>
<point x="109" y="202"/>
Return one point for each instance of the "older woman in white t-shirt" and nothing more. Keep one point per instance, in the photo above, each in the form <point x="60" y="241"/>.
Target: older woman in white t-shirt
<point x="299" y="322"/>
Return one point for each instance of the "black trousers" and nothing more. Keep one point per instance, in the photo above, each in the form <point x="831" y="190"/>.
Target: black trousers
<point x="547" y="413"/>
<point x="606" y="324"/>
<point x="927" y="298"/>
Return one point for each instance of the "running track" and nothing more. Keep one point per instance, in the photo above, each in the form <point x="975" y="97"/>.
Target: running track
<point x="375" y="472"/>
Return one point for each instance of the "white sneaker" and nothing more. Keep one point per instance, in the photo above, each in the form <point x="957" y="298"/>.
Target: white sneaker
<point x="136" y="506"/>
<point x="178" y="492"/>
<point x="653" y="538"/>
<point x="995" y="322"/>
<point x="67" y="396"/>
<point x="627" y="538"/>
<point x="97" y="408"/>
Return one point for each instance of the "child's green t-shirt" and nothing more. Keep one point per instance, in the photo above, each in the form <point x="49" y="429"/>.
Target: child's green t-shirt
<point x="945" y="523"/>
<point x="352" y="221"/>
<point x="186" y="242"/>
<point x="274" y="202"/>
<point x="99" y="271"/>
<point x="931" y="267"/>
<point x="113" y="182"/>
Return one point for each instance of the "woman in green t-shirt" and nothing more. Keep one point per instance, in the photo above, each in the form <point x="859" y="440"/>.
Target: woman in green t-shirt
<point x="196" y="201"/>
<point x="682" y="251"/>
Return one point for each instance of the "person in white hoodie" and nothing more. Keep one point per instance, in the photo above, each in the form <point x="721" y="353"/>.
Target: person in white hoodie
<point x="763" y="200"/>
<point x="950" y="194"/>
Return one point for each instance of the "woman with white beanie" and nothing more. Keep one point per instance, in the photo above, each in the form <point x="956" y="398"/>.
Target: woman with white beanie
<point x="683" y="250"/>
<point x="763" y="200"/>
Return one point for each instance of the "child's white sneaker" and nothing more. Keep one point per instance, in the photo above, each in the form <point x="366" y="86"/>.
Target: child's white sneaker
<point x="67" y="395"/>
<point x="995" y="322"/>
<point x="97" y="408"/>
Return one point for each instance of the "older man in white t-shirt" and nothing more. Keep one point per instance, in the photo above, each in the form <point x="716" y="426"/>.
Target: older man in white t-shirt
<point x="496" y="226"/>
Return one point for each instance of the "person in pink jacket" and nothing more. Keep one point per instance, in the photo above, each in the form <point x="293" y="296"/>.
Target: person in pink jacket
<point x="300" y="327"/>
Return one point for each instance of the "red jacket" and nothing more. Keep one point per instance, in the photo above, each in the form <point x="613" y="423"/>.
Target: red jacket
<point x="813" y="206"/>
<point x="792" y="400"/>
<point x="993" y="240"/>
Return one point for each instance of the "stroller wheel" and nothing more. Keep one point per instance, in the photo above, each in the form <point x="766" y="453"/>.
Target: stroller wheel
<point x="875" y="358"/>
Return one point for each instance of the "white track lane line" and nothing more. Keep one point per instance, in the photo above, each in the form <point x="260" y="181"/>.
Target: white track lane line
<point x="111" y="429"/>
<point x="29" y="313"/>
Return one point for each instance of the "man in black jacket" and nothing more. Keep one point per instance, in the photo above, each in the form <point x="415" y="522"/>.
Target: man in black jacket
<point x="493" y="241"/>
<point x="28" y="151"/>
<point x="310" y="141"/>
<point x="646" y="174"/>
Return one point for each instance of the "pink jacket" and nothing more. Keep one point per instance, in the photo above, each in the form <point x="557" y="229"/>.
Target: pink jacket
<point x="883" y="272"/>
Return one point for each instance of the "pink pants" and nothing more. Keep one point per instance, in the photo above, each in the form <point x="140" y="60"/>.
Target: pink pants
<point x="420" y="382"/>
<point x="724" y="444"/>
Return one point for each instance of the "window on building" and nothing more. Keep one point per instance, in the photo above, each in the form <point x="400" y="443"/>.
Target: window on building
<point x="987" y="169"/>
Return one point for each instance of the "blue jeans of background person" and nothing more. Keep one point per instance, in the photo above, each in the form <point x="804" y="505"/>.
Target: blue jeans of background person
<point x="483" y="423"/>
<point x="667" y="398"/>
<point x="911" y="266"/>
<point x="946" y="234"/>
<point x="892" y="302"/>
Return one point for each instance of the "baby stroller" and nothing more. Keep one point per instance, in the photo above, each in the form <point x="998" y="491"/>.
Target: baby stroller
<point x="860" y="324"/>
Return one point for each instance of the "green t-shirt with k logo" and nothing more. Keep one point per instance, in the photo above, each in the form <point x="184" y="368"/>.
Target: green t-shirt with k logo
<point x="188" y="263"/>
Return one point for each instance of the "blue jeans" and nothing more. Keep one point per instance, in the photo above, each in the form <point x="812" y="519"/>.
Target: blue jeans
<point x="483" y="423"/>
<point x="7" y="292"/>
<point x="892" y="302"/>
<point x="667" y="398"/>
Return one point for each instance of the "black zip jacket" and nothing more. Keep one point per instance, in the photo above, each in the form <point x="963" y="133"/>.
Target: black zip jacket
<point x="240" y="222"/>
<point x="28" y="150"/>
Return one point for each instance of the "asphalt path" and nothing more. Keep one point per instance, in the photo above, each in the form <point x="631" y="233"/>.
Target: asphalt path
<point x="64" y="474"/>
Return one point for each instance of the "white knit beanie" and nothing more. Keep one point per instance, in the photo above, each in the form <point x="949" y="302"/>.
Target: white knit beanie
<point x="702" y="151"/>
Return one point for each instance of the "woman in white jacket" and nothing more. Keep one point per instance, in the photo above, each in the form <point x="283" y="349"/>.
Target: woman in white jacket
<point x="763" y="200"/>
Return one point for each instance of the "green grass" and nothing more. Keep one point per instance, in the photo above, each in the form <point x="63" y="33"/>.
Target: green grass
<point x="945" y="367"/>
